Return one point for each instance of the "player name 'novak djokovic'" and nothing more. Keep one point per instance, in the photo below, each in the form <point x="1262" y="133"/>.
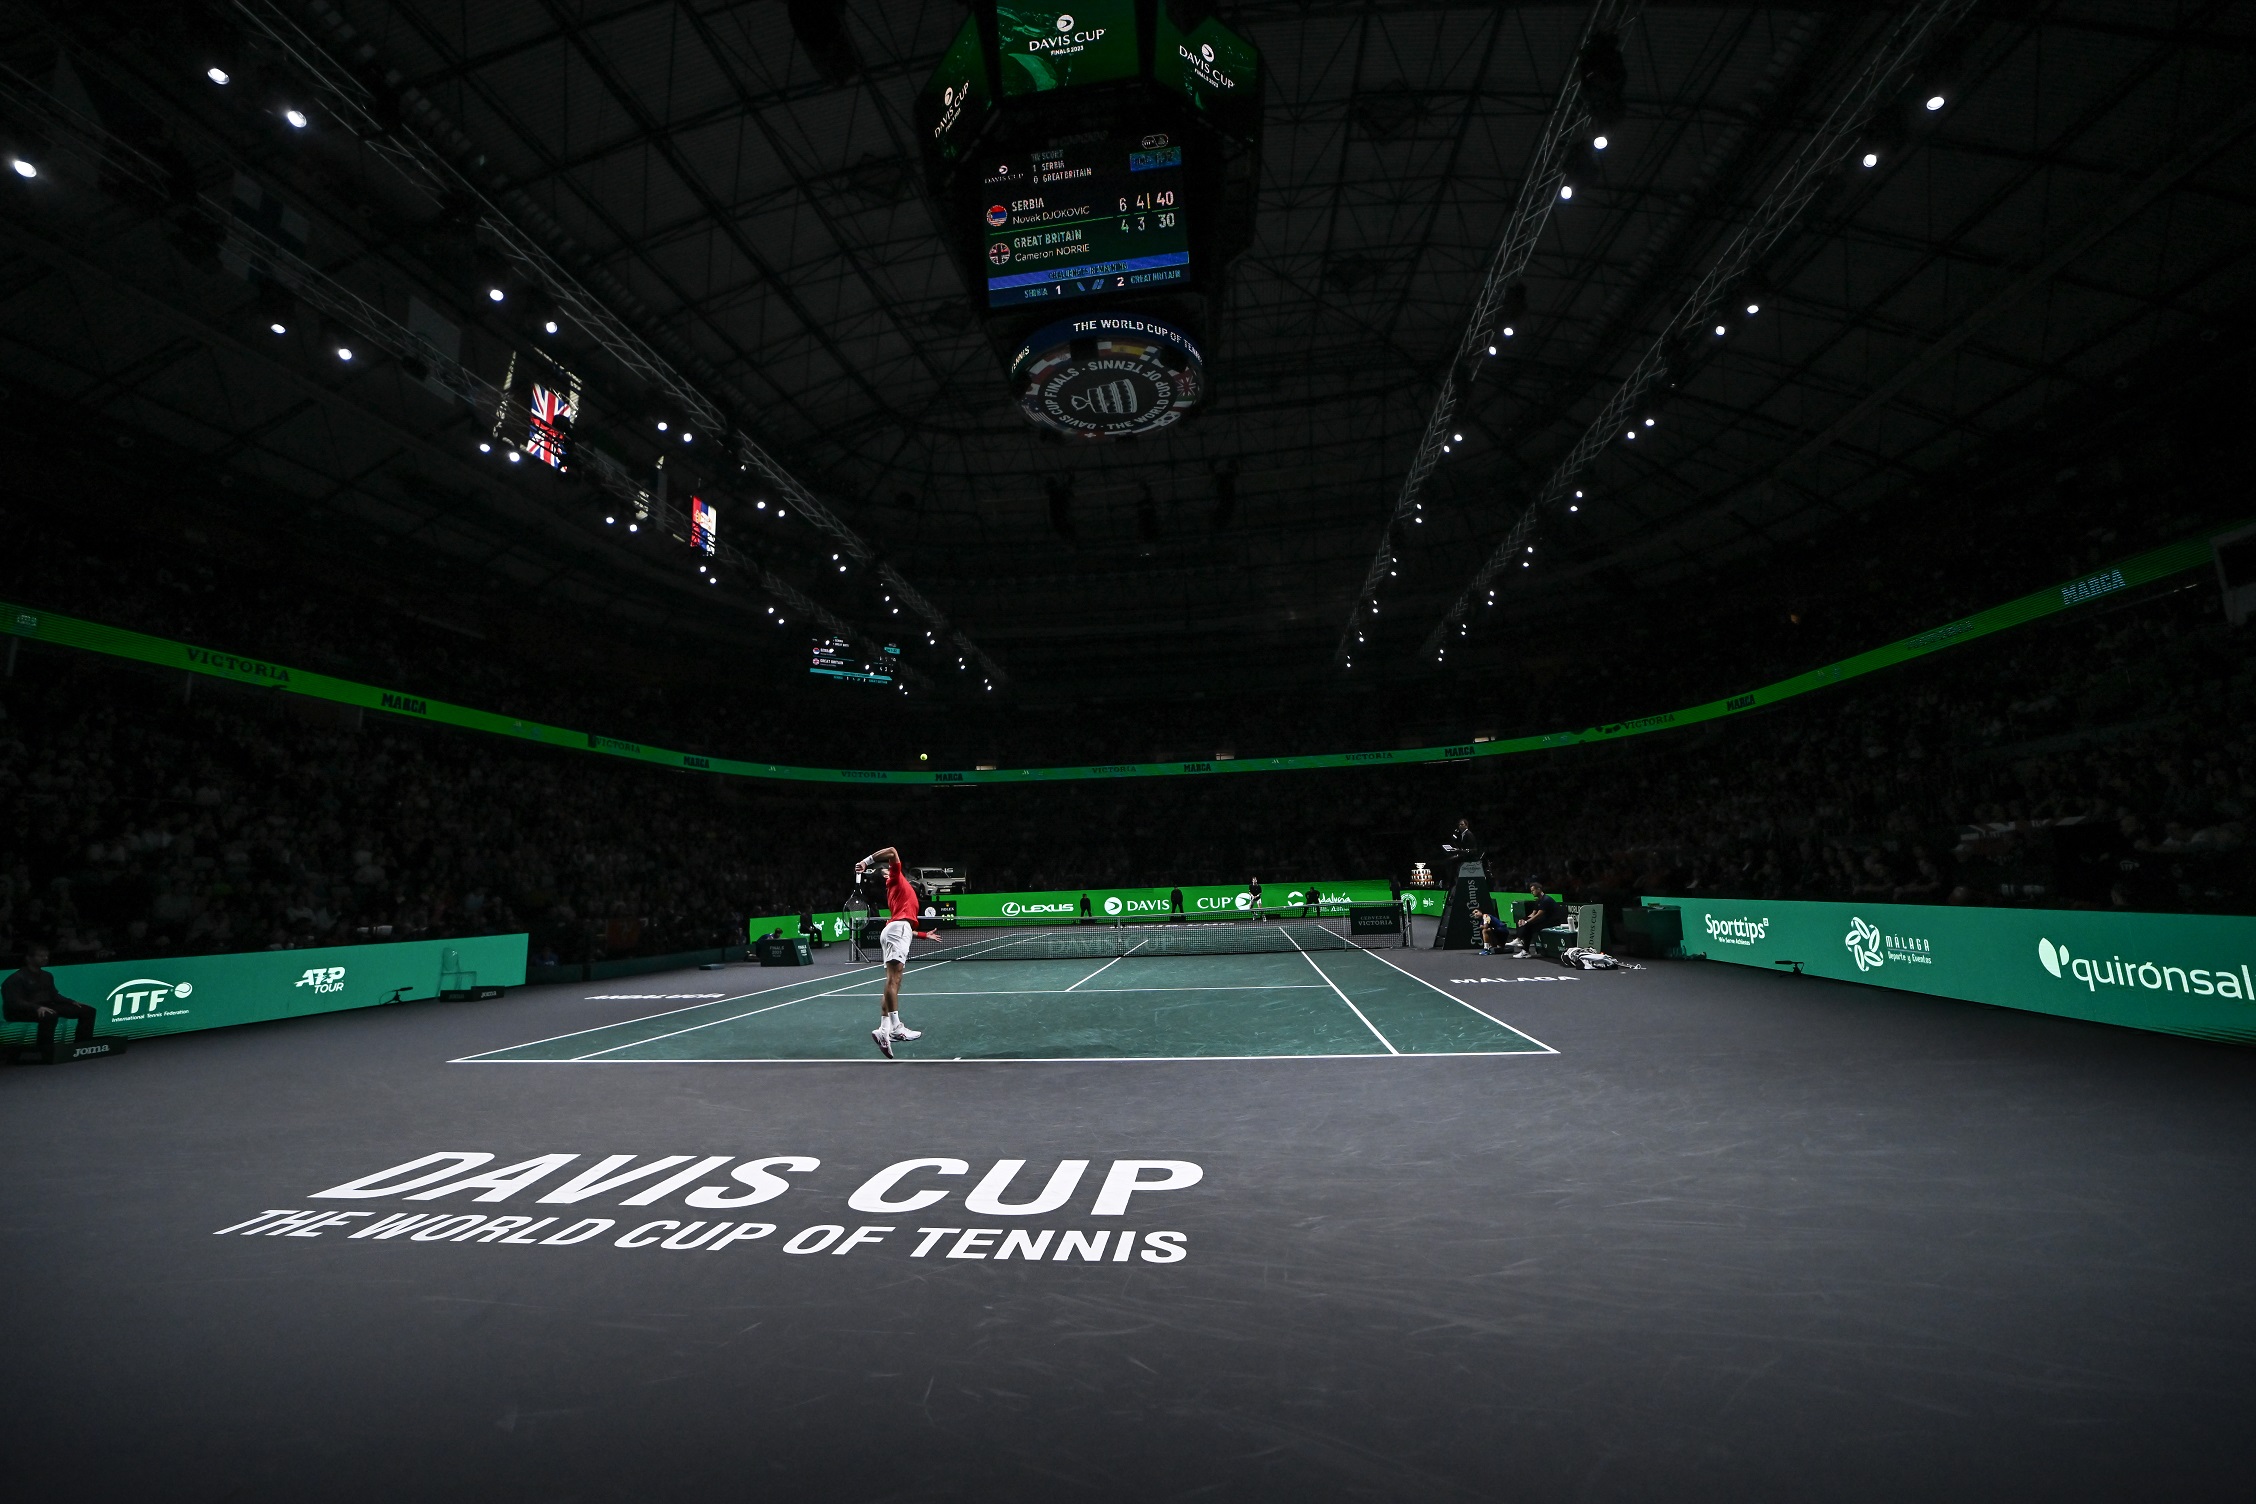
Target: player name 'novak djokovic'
<point x="725" y="1182"/>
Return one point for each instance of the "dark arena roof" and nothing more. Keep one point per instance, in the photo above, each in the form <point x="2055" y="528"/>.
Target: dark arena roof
<point x="543" y="487"/>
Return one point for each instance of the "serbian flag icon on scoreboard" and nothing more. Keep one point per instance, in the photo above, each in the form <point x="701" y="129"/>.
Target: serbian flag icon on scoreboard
<point x="704" y="525"/>
<point x="996" y="215"/>
<point x="551" y="412"/>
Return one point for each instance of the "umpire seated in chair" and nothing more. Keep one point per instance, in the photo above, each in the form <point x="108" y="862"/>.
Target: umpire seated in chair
<point x="1543" y="912"/>
<point x="29" y="996"/>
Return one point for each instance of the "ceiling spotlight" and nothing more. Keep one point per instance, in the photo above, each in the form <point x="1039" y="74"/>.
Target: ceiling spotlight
<point x="634" y="527"/>
<point x="1456" y="438"/>
<point x="1508" y="331"/>
<point x="550" y="326"/>
<point x="713" y="580"/>
<point x="1573" y="508"/>
<point x="1754" y="308"/>
<point x="279" y="328"/>
<point x="1492" y="349"/>
<point x="610" y="521"/>
<point x="759" y="506"/>
<point x="514" y="457"/>
<point x="1934" y="102"/>
<point x="1872" y="159"/>
<point x="1578" y="496"/>
<point x="217" y="75"/>
<point x="22" y="168"/>
<point x="700" y="569"/>
<point x="687" y="437"/>
<point x="661" y="425"/>
<point x="297" y="118"/>
<point x="1648" y="424"/>
<point x="485" y="448"/>
<point x="1632" y="434"/>
<point x="1719" y="331"/>
<point x="1597" y="143"/>
<point x="344" y="352"/>
<point x="495" y="294"/>
<point x="1566" y="190"/>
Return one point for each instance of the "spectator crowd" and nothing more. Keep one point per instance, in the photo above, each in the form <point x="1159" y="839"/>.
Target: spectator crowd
<point x="2102" y="759"/>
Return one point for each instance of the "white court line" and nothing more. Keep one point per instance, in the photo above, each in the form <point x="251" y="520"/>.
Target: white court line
<point x="1460" y="1002"/>
<point x="1115" y="961"/>
<point x="1112" y="991"/>
<point x="1343" y="997"/>
<point x="1018" y="1059"/>
<point x="732" y="1018"/>
<point x="719" y="1002"/>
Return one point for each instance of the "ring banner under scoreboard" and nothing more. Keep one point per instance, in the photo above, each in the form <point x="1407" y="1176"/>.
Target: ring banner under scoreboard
<point x="180" y="994"/>
<point x="2189" y="974"/>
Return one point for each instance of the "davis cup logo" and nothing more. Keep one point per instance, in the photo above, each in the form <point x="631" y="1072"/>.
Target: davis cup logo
<point x="145" y="997"/>
<point x="1243" y="900"/>
<point x="1863" y="941"/>
<point x="1206" y="51"/>
<point x="1065" y="23"/>
<point x="1112" y="905"/>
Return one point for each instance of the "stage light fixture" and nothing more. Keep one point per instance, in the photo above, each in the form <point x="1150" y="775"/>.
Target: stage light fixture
<point x="296" y="117"/>
<point x="495" y="294"/>
<point x="1573" y="508"/>
<point x="1598" y="143"/>
<point x="1753" y="309"/>
<point x="22" y="168"/>
<point x="1648" y="424"/>
<point x="1566" y="190"/>
<point x="1719" y="331"/>
<point x="217" y="75"/>
<point x="515" y="457"/>
<point x="344" y="352"/>
<point x="1872" y="159"/>
<point x="279" y="328"/>
<point x="634" y="527"/>
<point x="1934" y="103"/>
<point x="687" y="437"/>
<point x="610" y="521"/>
<point x="550" y="326"/>
<point x="1456" y="438"/>
<point x="485" y="448"/>
<point x="661" y="425"/>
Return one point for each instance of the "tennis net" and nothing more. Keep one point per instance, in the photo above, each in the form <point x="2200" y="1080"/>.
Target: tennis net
<point x="1236" y="933"/>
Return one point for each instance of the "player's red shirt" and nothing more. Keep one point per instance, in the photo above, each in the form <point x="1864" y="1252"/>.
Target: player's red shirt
<point x="899" y="895"/>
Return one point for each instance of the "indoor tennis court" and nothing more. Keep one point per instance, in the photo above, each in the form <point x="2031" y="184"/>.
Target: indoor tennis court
<point x="986" y="1005"/>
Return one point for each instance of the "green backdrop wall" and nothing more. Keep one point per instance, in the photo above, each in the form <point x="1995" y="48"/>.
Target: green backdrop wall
<point x="141" y="998"/>
<point x="2172" y="973"/>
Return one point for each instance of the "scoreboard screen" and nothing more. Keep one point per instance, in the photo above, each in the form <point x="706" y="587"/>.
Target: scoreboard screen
<point x="835" y="658"/>
<point x="1086" y="215"/>
<point x="704" y="525"/>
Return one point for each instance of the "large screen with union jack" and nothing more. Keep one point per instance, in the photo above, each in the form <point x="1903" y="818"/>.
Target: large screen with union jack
<point x="704" y="525"/>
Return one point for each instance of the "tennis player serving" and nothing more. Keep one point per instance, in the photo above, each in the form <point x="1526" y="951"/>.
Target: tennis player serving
<point x="901" y="903"/>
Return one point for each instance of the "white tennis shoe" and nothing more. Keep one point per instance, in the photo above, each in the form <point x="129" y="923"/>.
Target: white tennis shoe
<point x="903" y="1031"/>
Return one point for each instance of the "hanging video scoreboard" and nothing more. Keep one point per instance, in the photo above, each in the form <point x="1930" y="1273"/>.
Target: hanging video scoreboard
<point x="1090" y="215"/>
<point x="835" y="658"/>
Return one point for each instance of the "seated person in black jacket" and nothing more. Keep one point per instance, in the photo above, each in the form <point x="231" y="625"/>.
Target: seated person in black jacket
<point x="1543" y="912"/>
<point x="29" y="996"/>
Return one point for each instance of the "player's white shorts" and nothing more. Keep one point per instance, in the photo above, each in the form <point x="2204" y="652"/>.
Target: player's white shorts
<point x="895" y="940"/>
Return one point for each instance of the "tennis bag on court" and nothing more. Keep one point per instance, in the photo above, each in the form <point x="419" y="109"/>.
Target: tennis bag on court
<point x="1588" y="959"/>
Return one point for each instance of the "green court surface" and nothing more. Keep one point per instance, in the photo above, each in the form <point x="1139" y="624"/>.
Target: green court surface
<point x="1334" y="1004"/>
